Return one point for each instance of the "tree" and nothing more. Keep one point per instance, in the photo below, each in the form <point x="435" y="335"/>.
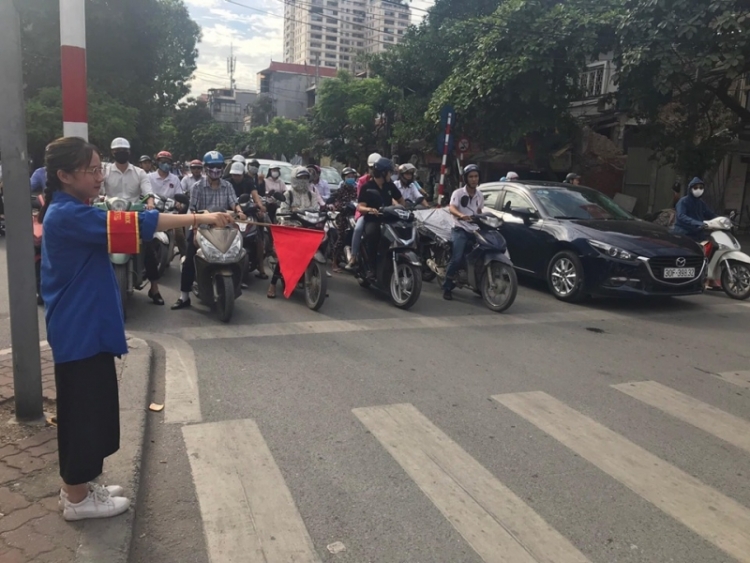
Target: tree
<point x="215" y="136"/>
<point x="262" y="111"/>
<point x="190" y="115"/>
<point x="350" y="115"/>
<point x="680" y="63"/>
<point x="516" y="70"/>
<point x="281" y="137"/>
<point x="108" y="118"/>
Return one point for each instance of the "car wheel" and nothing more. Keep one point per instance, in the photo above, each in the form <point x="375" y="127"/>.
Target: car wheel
<point x="565" y="277"/>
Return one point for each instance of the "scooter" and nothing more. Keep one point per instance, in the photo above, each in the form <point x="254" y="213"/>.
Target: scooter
<point x="166" y="239"/>
<point x="488" y="270"/>
<point x="397" y="265"/>
<point x="250" y="234"/>
<point x="220" y="262"/>
<point x="728" y="266"/>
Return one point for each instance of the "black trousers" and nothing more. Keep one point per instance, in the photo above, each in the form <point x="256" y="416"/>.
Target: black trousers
<point x="188" y="266"/>
<point x="88" y="416"/>
<point x="151" y="261"/>
<point x="370" y="241"/>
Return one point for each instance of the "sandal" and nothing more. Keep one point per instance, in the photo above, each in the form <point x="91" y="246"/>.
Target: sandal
<point x="271" y="294"/>
<point x="261" y="276"/>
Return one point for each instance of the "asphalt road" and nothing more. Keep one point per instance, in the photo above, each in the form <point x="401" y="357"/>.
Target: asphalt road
<point x="446" y="433"/>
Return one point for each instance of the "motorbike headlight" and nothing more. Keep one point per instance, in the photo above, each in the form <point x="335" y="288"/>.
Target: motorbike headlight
<point x="118" y="204"/>
<point x="613" y="251"/>
<point x="215" y="256"/>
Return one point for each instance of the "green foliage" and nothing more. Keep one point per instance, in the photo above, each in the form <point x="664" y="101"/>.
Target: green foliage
<point x="280" y="137"/>
<point x="680" y="63"/>
<point x="262" y="111"/>
<point x="187" y="118"/>
<point x="348" y="115"/>
<point x="214" y="136"/>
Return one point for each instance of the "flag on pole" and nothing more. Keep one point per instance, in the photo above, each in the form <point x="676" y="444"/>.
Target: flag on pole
<point x="295" y="249"/>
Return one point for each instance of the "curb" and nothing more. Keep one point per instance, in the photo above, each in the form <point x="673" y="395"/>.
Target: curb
<point x="108" y="540"/>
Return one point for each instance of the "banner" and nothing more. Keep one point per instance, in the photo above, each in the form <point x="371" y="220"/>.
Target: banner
<point x="295" y="248"/>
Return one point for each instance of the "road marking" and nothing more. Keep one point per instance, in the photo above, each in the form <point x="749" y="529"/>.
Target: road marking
<point x="182" y="396"/>
<point x="715" y="517"/>
<point x="248" y="513"/>
<point x="497" y="524"/>
<point x="738" y="378"/>
<point x="43" y="345"/>
<point x="723" y="425"/>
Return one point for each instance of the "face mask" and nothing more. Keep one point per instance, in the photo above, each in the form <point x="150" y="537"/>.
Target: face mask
<point x="394" y="177"/>
<point x="252" y="169"/>
<point x="214" y="173"/>
<point x="300" y="184"/>
<point x="697" y="192"/>
<point x="165" y="166"/>
<point x="275" y="175"/>
<point x="122" y="157"/>
<point x="351" y="181"/>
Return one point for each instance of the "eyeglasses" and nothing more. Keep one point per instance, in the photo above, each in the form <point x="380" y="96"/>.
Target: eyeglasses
<point x="94" y="171"/>
<point x="196" y="168"/>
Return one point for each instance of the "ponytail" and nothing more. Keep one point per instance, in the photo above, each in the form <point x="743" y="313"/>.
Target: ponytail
<point x="66" y="154"/>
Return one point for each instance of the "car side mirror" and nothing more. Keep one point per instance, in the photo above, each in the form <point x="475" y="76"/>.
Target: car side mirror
<point x="526" y="213"/>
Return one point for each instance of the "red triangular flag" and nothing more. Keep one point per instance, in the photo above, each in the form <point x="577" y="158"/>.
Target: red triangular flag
<point x="295" y="248"/>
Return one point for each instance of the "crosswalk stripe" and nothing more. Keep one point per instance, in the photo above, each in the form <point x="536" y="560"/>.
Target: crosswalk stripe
<point x="723" y="425"/>
<point x="248" y="513"/>
<point x="497" y="524"/>
<point x="738" y="378"/>
<point x="717" y="518"/>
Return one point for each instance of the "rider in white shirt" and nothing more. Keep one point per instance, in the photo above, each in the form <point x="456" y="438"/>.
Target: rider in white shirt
<point x="195" y="176"/>
<point x="163" y="182"/>
<point x="407" y="185"/>
<point x="318" y="185"/>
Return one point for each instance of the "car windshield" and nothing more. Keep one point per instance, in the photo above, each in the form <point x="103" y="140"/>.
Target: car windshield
<point x="580" y="203"/>
<point x="285" y="169"/>
<point x="331" y="176"/>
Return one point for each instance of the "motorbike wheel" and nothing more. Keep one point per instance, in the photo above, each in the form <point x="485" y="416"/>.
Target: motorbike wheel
<point x="406" y="285"/>
<point x="740" y="287"/>
<point x="121" y="274"/>
<point x="163" y="258"/>
<point x="224" y="297"/>
<point x="316" y="286"/>
<point x="502" y="294"/>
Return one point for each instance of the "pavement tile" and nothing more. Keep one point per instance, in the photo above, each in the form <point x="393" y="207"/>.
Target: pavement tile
<point x="59" y="555"/>
<point x="48" y="447"/>
<point x="12" y="555"/>
<point x="10" y="501"/>
<point x="41" y="437"/>
<point x="8" y="473"/>
<point x="29" y="541"/>
<point x="8" y="449"/>
<point x="18" y="518"/>
<point x="25" y="462"/>
<point x="50" y="503"/>
<point x="53" y="526"/>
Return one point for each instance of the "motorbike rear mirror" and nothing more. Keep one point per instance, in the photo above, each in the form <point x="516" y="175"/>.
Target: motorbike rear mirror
<point x="733" y="214"/>
<point x="279" y="196"/>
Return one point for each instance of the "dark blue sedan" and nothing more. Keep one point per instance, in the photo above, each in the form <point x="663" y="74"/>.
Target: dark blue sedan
<point x="582" y="243"/>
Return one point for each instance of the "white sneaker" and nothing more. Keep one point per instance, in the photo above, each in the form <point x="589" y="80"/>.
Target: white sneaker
<point x="113" y="490"/>
<point x="97" y="504"/>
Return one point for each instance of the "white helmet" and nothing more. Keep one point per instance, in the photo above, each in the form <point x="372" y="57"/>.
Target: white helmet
<point x="373" y="158"/>
<point x="511" y="176"/>
<point x="120" y="143"/>
<point x="237" y="168"/>
<point x="238" y="158"/>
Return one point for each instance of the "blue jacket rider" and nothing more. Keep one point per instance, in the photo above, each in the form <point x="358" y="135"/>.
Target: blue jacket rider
<point x="692" y="212"/>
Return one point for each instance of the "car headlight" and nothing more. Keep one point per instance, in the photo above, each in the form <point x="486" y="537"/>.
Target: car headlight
<point x="612" y="251"/>
<point x="118" y="204"/>
<point x="215" y="256"/>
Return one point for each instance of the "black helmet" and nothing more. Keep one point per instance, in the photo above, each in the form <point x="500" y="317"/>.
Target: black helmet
<point x="470" y="168"/>
<point x="382" y="168"/>
<point x="570" y="177"/>
<point x="145" y="158"/>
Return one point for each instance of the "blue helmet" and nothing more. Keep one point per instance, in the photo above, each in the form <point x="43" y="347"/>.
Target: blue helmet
<point x="382" y="168"/>
<point x="213" y="157"/>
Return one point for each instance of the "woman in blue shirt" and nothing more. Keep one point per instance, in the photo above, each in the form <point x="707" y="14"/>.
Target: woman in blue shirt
<point x="85" y="326"/>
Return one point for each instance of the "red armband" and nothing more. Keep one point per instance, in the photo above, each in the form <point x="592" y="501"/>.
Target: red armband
<point x="123" y="232"/>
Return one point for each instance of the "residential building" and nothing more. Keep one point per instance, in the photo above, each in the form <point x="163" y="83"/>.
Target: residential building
<point x="292" y="87"/>
<point x="230" y="105"/>
<point x="332" y="33"/>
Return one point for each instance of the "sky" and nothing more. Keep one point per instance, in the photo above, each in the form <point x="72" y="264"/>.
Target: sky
<point x="256" y="32"/>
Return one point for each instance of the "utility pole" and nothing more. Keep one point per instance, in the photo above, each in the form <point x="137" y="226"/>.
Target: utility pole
<point x="24" y="324"/>
<point x="73" y="68"/>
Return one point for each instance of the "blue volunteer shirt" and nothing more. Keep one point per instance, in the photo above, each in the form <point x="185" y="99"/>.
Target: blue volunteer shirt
<point x="82" y="301"/>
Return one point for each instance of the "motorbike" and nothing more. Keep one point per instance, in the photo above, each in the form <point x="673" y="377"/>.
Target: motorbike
<point x="130" y="270"/>
<point x="487" y="269"/>
<point x="315" y="282"/>
<point x="424" y="251"/>
<point x="728" y="266"/>
<point x="397" y="265"/>
<point x="37" y="202"/>
<point x="220" y="263"/>
<point x="250" y="234"/>
<point x="166" y="239"/>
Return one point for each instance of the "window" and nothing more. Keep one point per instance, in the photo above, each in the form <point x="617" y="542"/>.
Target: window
<point x="387" y="38"/>
<point x="315" y="44"/>
<point x="331" y="38"/>
<point x="316" y="36"/>
<point x="330" y="55"/>
<point x="330" y="20"/>
<point x="316" y="18"/>
<point x="316" y="28"/>
<point x="390" y="22"/>
<point x="592" y="82"/>
<point x="332" y="65"/>
<point x="514" y="200"/>
<point x="490" y="198"/>
<point x="330" y="47"/>
<point x="360" y="43"/>
<point x="344" y="57"/>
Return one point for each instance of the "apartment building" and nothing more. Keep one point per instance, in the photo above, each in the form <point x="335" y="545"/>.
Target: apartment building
<point x="331" y="33"/>
<point x="230" y="105"/>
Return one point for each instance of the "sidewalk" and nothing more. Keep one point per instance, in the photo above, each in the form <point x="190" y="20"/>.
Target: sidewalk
<point x="31" y="525"/>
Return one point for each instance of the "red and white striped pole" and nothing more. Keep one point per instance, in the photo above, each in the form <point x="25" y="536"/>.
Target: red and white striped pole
<point x="73" y="67"/>
<point x="443" y="166"/>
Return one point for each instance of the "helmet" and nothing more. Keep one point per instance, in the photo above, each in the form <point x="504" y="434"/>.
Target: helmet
<point x="120" y="143"/>
<point x="274" y="167"/>
<point x="372" y="159"/>
<point x="145" y="158"/>
<point x="382" y="167"/>
<point x="300" y="172"/>
<point x="164" y="154"/>
<point x="349" y="171"/>
<point x="407" y="167"/>
<point x="572" y="176"/>
<point x="196" y="162"/>
<point x="469" y="169"/>
<point x="512" y="176"/>
<point x="238" y="158"/>
<point x="213" y="157"/>
<point x="237" y="168"/>
<point x="314" y="168"/>
<point x="254" y="163"/>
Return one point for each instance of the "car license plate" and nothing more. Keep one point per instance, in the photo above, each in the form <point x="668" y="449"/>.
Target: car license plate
<point x="673" y="273"/>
